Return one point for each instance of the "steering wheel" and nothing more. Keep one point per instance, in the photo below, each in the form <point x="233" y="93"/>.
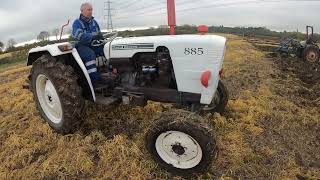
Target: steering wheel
<point x="106" y="38"/>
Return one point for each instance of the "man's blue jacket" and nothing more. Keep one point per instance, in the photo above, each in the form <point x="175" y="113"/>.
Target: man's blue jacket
<point x="84" y="30"/>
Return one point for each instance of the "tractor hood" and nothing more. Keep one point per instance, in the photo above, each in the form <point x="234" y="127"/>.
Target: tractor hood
<point x="175" y="44"/>
<point x="171" y="39"/>
<point x="191" y="56"/>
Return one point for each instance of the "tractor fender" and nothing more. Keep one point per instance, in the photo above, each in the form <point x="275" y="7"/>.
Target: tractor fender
<point x="54" y="51"/>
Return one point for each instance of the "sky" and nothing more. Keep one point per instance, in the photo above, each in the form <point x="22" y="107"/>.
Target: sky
<point x="24" y="19"/>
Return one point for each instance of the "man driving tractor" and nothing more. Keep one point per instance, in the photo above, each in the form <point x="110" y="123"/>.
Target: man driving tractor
<point x="85" y="30"/>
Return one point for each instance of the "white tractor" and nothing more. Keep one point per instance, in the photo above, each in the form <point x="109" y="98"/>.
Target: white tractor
<point x="181" y="69"/>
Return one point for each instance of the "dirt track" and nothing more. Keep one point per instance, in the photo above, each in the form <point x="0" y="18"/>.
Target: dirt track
<point x="306" y="81"/>
<point x="270" y="131"/>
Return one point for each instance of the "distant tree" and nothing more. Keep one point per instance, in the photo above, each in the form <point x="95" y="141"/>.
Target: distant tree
<point x="163" y="27"/>
<point x="67" y="30"/>
<point x="55" y="32"/>
<point x="43" y="36"/>
<point x="70" y="38"/>
<point x="10" y="44"/>
<point x="1" y="46"/>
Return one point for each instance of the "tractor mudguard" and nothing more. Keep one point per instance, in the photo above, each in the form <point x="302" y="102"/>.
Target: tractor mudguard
<point x="54" y="51"/>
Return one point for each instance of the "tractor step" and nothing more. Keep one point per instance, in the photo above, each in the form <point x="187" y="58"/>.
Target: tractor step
<point x="106" y="101"/>
<point x="101" y="88"/>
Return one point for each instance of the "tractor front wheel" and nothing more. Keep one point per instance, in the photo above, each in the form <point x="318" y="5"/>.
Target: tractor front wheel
<point x="182" y="143"/>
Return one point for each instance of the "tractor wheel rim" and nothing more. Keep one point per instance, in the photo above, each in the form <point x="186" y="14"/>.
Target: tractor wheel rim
<point x="49" y="99"/>
<point x="312" y="57"/>
<point x="178" y="149"/>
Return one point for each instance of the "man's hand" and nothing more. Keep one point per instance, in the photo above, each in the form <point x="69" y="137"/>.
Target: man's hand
<point x="99" y="36"/>
<point x="96" y="43"/>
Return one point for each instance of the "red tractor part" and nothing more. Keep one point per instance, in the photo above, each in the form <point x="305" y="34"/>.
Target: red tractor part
<point x="205" y="77"/>
<point x="203" y="29"/>
<point x="63" y="28"/>
<point x="221" y="73"/>
<point x="171" y="15"/>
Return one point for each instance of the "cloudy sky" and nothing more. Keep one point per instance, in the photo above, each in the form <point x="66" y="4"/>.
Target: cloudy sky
<point x="24" y="19"/>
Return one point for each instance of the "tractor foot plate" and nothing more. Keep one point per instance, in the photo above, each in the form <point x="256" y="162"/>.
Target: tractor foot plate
<point x="106" y="101"/>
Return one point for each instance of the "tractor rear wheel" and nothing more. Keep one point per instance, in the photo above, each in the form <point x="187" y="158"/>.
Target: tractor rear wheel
<point x="311" y="53"/>
<point x="57" y="94"/>
<point x="182" y="142"/>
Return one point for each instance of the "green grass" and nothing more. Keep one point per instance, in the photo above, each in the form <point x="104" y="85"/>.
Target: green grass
<point x="11" y="59"/>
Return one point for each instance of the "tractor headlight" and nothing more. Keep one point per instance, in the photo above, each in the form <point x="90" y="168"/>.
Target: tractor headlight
<point x="65" y="47"/>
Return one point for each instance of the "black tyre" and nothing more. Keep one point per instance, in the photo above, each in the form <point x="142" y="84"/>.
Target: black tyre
<point x="299" y="52"/>
<point x="181" y="143"/>
<point x="219" y="101"/>
<point x="57" y="95"/>
<point x="311" y="53"/>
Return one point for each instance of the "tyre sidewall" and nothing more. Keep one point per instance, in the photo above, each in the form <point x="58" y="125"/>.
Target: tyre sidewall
<point x="36" y="73"/>
<point x="223" y="98"/>
<point x="311" y="48"/>
<point x="208" y="149"/>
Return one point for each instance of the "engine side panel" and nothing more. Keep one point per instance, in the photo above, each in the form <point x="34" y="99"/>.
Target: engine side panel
<point x="191" y="56"/>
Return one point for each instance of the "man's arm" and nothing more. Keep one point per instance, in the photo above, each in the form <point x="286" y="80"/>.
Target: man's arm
<point x="79" y="34"/>
<point x="99" y="30"/>
<point x="99" y="36"/>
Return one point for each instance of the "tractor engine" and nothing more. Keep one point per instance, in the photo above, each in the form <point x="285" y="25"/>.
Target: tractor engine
<point x="149" y="69"/>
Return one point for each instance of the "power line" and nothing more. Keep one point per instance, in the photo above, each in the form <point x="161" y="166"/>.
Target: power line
<point x="151" y="9"/>
<point x="148" y="6"/>
<point x="117" y="3"/>
<point x="152" y="12"/>
<point x="178" y="3"/>
<point x="241" y="2"/>
<point x="127" y="5"/>
<point x="163" y="2"/>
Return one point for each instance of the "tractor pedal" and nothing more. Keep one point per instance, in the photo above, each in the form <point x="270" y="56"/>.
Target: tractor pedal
<point x="106" y="101"/>
<point x="109" y="77"/>
<point x="101" y="91"/>
<point x="101" y="88"/>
